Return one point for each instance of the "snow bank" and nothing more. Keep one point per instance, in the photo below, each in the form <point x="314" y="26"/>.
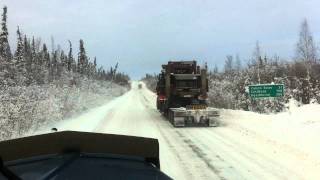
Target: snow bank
<point x="299" y="127"/>
<point x="25" y="110"/>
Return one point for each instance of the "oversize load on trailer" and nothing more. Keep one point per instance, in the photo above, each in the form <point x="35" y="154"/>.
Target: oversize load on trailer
<point x="266" y="90"/>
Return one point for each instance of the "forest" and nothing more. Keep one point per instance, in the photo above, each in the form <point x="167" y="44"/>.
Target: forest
<point x="39" y="86"/>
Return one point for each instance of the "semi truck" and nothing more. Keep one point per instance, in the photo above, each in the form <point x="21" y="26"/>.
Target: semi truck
<point x="181" y="89"/>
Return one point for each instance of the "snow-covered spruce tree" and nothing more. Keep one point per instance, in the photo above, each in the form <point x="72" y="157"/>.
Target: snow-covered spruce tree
<point x="34" y="62"/>
<point x="71" y="65"/>
<point x="53" y="66"/>
<point x="45" y="65"/>
<point x="82" y="59"/>
<point x="38" y="65"/>
<point x="70" y="57"/>
<point x="5" y="52"/>
<point x="95" y="67"/>
<point x="29" y="59"/>
<point x="19" y="64"/>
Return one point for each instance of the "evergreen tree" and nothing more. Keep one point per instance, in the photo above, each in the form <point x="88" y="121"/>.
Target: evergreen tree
<point x="27" y="56"/>
<point x="38" y="64"/>
<point x="61" y="65"/>
<point x="45" y="56"/>
<point x="82" y="59"/>
<point x="19" y="62"/>
<point x="34" y="66"/>
<point x="53" y="67"/>
<point x="33" y="52"/>
<point x="45" y="62"/>
<point x="5" y="52"/>
<point x="70" y="57"/>
<point x="19" y="49"/>
<point x="95" y="64"/>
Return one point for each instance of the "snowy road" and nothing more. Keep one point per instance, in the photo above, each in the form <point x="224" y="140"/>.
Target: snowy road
<point x="226" y="152"/>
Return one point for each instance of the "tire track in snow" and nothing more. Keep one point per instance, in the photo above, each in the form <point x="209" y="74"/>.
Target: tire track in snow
<point x="103" y="124"/>
<point x="239" y="167"/>
<point x="189" y="143"/>
<point x="176" y="144"/>
<point x="165" y="138"/>
<point x="202" y="155"/>
<point x="164" y="135"/>
<point x="264" y="166"/>
<point x="176" y="152"/>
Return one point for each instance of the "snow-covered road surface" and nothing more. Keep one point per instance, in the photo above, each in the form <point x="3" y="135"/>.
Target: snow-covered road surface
<point x="226" y="152"/>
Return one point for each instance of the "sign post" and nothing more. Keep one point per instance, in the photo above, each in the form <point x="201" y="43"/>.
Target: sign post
<point x="266" y="90"/>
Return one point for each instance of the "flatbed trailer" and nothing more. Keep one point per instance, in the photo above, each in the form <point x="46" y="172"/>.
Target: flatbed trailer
<point x="182" y="92"/>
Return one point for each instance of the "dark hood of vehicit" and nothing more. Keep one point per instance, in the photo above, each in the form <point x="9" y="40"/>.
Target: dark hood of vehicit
<point x="82" y="142"/>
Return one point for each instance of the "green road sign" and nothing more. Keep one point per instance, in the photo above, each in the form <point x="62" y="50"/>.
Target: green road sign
<point x="266" y="90"/>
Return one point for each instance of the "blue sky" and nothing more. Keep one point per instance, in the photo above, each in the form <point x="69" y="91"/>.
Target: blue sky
<point x="143" y="34"/>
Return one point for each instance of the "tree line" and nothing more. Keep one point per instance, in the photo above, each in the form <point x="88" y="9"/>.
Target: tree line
<point x="39" y="87"/>
<point x="33" y="63"/>
<point x="300" y="75"/>
<point x="228" y="88"/>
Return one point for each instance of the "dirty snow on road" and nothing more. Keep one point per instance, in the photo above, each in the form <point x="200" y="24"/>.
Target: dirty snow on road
<point x="246" y="146"/>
